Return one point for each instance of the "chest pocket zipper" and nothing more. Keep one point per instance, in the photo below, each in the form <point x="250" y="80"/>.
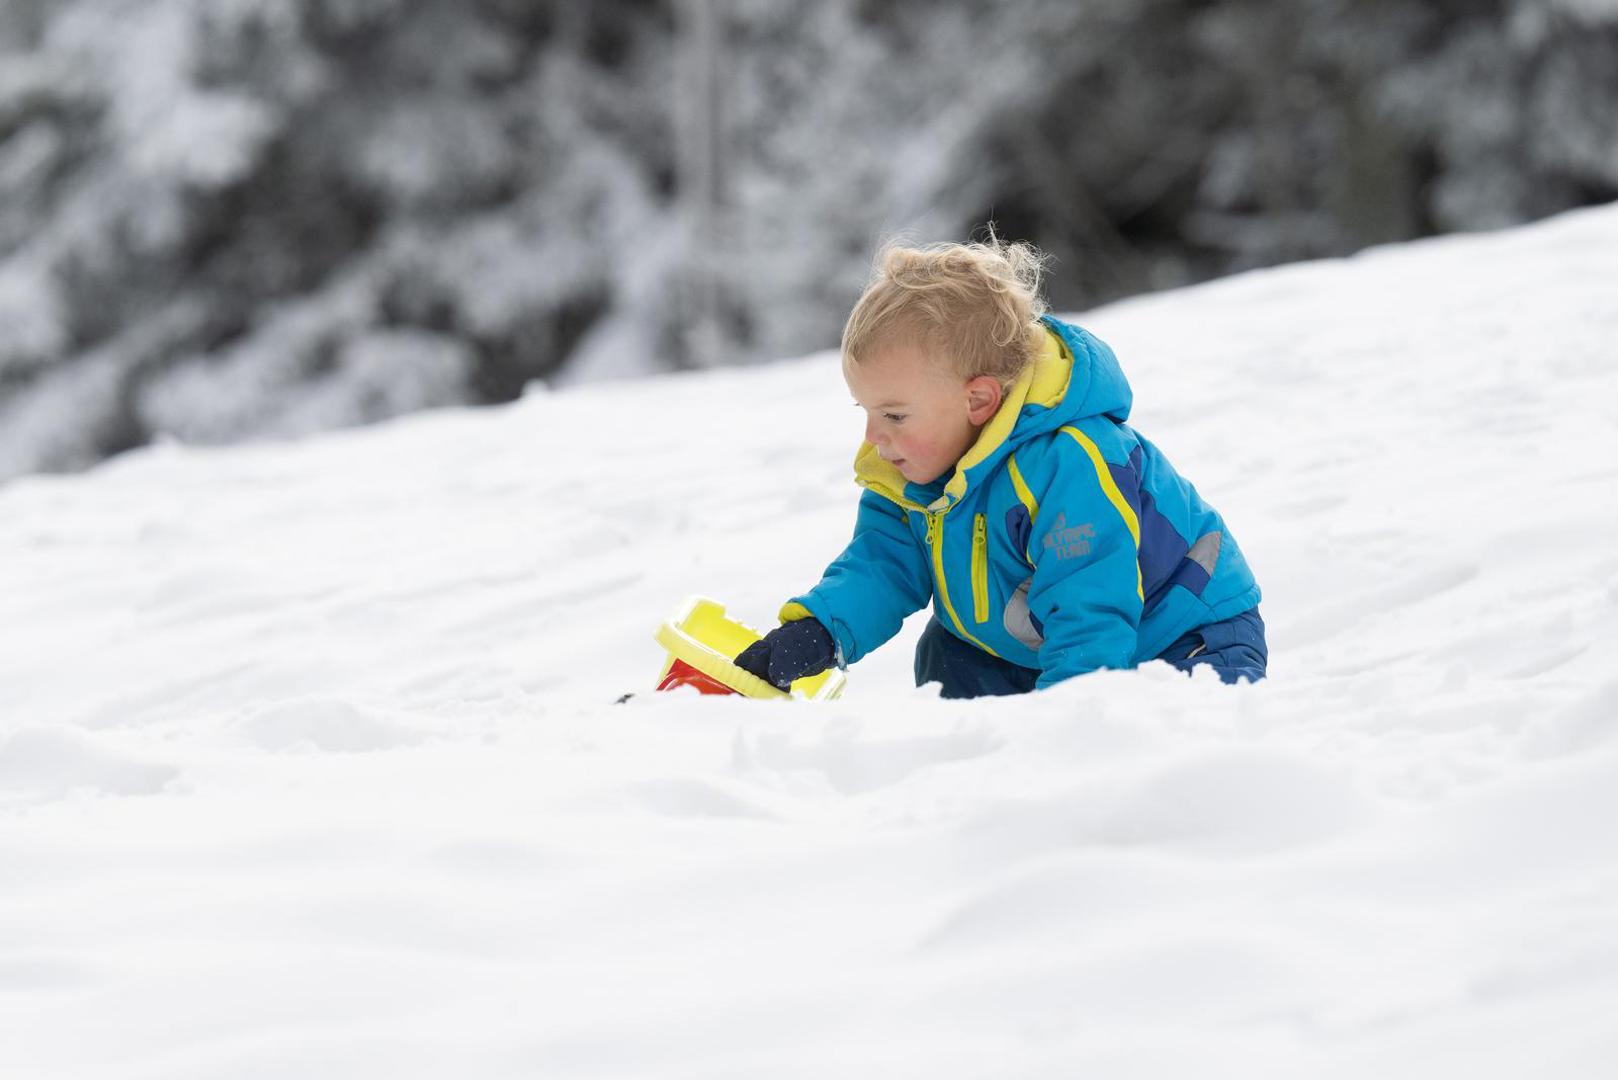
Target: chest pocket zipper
<point x="980" y="568"/>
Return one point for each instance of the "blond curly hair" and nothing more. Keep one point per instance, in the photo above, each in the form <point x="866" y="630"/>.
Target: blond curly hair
<point x="973" y="307"/>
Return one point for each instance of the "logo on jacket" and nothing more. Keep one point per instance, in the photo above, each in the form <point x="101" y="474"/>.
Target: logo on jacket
<point x="1066" y="542"/>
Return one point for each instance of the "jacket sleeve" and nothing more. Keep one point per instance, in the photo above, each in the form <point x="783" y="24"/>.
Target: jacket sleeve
<point x="868" y="590"/>
<point x="1086" y="587"/>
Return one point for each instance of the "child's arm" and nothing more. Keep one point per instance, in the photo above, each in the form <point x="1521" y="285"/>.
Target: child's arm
<point x="866" y="593"/>
<point x="1085" y="541"/>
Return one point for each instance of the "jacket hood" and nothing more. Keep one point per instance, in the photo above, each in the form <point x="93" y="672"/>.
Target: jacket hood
<point x="1074" y="376"/>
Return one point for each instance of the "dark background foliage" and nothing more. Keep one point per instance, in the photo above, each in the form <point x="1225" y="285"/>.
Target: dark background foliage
<point x="225" y="219"/>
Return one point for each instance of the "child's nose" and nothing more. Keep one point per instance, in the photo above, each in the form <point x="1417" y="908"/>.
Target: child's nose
<point x="872" y="435"/>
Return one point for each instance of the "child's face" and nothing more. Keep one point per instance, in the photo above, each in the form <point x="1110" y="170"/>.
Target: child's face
<point x="919" y="416"/>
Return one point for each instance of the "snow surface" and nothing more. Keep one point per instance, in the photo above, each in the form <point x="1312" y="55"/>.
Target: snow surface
<point x="309" y="762"/>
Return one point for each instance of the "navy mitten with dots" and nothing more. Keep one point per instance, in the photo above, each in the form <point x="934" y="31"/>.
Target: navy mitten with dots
<point x="791" y="651"/>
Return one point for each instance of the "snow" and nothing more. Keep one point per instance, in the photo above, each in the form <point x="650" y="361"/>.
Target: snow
<point x="309" y="762"/>
<point x="206" y="139"/>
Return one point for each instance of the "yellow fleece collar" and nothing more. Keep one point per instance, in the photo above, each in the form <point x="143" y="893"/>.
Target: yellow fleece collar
<point x="1043" y="382"/>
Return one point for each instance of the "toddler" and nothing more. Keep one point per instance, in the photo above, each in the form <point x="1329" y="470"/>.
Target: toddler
<point x="1003" y="484"/>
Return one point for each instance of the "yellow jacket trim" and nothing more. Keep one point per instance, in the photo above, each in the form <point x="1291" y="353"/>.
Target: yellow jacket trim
<point x="1027" y="499"/>
<point x="935" y="538"/>
<point x="882" y="477"/>
<point x="980" y="569"/>
<point x="1043" y="382"/>
<point x="1110" y="488"/>
<point x="792" y="611"/>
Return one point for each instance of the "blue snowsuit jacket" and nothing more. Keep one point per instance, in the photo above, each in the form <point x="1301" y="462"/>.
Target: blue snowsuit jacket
<point x="1063" y="541"/>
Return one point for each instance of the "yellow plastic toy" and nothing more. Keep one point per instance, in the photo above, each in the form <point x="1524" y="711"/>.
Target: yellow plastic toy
<point x="701" y="640"/>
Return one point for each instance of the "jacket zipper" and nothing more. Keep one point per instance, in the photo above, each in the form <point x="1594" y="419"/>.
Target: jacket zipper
<point x="980" y="569"/>
<point x="935" y="539"/>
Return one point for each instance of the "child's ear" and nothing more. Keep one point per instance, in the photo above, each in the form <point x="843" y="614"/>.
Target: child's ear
<point x="983" y="396"/>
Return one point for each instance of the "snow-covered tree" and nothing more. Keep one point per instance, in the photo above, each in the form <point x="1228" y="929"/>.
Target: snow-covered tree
<point x="223" y="219"/>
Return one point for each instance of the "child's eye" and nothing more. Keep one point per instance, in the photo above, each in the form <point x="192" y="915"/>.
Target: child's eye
<point x="893" y="417"/>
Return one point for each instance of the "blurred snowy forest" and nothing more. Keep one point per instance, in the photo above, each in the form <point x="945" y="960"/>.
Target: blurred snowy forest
<point x="223" y="219"/>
